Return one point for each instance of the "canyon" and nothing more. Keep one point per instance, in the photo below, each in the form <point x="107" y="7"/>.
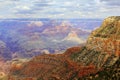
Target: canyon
<point x="97" y="59"/>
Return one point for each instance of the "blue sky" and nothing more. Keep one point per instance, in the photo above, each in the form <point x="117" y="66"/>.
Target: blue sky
<point x="59" y="8"/>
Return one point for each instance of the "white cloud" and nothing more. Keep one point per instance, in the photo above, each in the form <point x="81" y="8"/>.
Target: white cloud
<point x="22" y="7"/>
<point x="58" y="8"/>
<point x="68" y="3"/>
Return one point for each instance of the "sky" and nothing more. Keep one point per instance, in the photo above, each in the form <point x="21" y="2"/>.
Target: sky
<point x="59" y="8"/>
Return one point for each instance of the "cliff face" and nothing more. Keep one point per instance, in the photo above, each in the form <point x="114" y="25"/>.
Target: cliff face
<point x="103" y="45"/>
<point x="101" y="51"/>
<point x="107" y="37"/>
<point x="109" y="29"/>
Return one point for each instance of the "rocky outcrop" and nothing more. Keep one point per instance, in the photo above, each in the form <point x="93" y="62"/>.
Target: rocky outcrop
<point x="109" y="29"/>
<point x="107" y="37"/>
<point x="44" y="67"/>
<point x="102" y="48"/>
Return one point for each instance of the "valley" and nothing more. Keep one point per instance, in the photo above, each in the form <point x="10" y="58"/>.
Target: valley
<point x="86" y="62"/>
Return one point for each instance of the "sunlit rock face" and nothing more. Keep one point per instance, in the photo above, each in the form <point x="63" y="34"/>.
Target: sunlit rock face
<point x="107" y="37"/>
<point x="73" y="37"/>
<point x="103" y="45"/>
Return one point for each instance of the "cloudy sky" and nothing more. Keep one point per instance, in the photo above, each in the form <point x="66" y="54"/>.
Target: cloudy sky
<point x="59" y="8"/>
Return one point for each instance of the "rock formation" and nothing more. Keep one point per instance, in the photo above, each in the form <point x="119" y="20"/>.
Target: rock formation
<point x="73" y="37"/>
<point x="102" y="48"/>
